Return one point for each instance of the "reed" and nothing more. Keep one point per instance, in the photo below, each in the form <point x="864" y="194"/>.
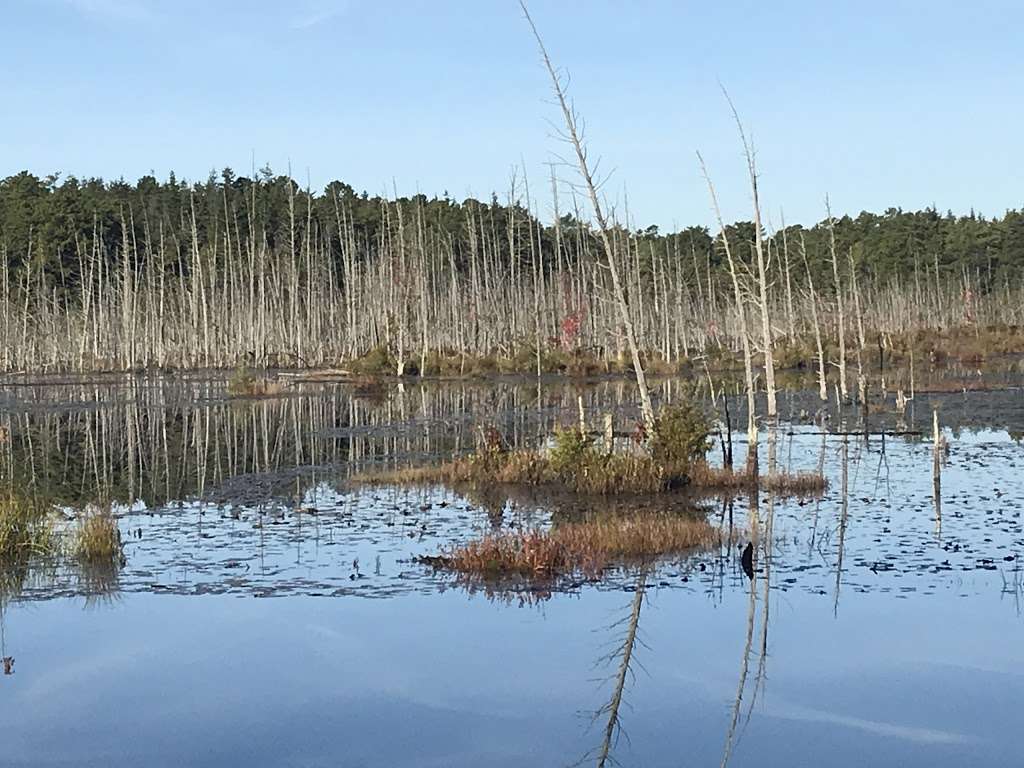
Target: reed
<point x="96" y="538"/>
<point x="26" y="527"/>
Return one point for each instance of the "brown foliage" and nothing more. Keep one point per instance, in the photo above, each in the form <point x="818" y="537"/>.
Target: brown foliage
<point x="586" y="547"/>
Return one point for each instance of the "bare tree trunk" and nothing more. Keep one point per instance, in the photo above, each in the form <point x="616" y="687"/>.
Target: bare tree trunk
<point x="789" y="286"/>
<point x="748" y="365"/>
<point x="839" y="300"/>
<point x="574" y="137"/>
<point x="762" y="273"/>
<point x="822" y="388"/>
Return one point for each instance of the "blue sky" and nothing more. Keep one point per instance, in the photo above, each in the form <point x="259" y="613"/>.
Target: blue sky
<point x="877" y="104"/>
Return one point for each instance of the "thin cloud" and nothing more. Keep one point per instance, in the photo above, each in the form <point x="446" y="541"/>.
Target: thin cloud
<point x="315" y="16"/>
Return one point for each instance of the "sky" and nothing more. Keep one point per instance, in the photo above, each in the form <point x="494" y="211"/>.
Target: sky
<point x="875" y="104"/>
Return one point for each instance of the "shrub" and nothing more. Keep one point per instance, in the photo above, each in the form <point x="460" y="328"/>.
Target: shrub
<point x="569" y="451"/>
<point x="681" y="437"/>
<point x="376" y="362"/>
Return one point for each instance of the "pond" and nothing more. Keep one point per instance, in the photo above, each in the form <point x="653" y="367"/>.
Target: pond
<point x="271" y="612"/>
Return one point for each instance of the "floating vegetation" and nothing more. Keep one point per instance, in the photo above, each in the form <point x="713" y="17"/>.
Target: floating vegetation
<point x="586" y="547"/>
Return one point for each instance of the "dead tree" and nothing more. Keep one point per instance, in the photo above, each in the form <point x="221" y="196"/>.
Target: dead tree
<point x="573" y="136"/>
<point x="748" y="364"/>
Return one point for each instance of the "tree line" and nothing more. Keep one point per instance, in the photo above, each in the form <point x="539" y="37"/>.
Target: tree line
<point x="259" y="270"/>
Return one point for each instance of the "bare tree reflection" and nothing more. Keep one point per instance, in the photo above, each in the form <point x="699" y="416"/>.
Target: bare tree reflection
<point x="7" y="661"/>
<point x="844" y="509"/>
<point x="760" y="548"/>
<point x="730" y="735"/>
<point x="622" y="657"/>
<point x="767" y="547"/>
<point x="817" y="504"/>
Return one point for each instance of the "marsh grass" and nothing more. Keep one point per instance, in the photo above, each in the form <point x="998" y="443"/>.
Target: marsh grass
<point x="676" y="460"/>
<point x="96" y="540"/>
<point x="34" y="541"/>
<point x="723" y="479"/>
<point x="26" y="527"/>
<point x="600" y="476"/>
<point x="575" y="462"/>
<point x="586" y="547"/>
<point x="593" y="473"/>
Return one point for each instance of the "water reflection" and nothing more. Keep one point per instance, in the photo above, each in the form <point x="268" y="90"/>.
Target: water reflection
<point x="251" y="499"/>
<point x="730" y="736"/>
<point x="622" y="659"/>
<point x="8" y="661"/>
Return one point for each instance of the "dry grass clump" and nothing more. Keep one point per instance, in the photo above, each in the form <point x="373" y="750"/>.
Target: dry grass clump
<point x="795" y="483"/>
<point x="245" y="383"/>
<point x="32" y="536"/>
<point x="26" y="527"/>
<point x="375" y="362"/>
<point x="586" y="547"/>
<point x="96" y="539"/>
<point x="710" y="478"/>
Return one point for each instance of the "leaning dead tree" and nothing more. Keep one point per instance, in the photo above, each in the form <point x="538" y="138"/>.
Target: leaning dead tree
<point x="762" y="271"/>
<point x="741" y="312"/>
<point x="572" y="134"/>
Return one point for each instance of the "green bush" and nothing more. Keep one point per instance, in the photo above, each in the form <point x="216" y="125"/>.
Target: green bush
<point x="570" y="452"/>
<point x="682" y="437"/>
<point x="376" y="362"/>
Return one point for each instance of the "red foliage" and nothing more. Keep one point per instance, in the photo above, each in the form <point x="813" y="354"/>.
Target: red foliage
<point x="571" y="326"/>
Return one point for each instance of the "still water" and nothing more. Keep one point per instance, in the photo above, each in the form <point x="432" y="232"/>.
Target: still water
<point x="270" y="612"/>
